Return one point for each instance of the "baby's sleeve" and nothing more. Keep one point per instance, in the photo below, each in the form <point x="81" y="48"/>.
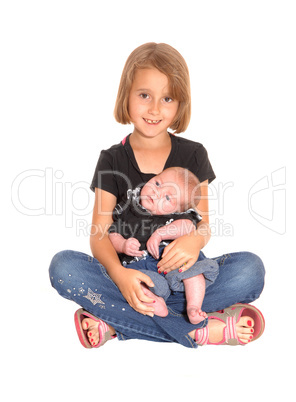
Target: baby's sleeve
<point x="190" y="214"/>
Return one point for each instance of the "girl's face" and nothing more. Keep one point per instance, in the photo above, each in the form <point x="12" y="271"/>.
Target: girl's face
<point x="151" y="107"/>
<point x="163" y="194"/>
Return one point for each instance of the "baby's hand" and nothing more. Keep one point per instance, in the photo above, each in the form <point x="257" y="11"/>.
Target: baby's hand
<point x="153" y="244"/>
<point x="131" y="247"/>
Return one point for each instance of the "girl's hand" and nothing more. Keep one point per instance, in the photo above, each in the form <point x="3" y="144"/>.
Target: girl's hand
<point x="131" y="247"/>
<point x="182" y="253"/>
<point x="129" y="283"/>
<point x="153" y="244"/>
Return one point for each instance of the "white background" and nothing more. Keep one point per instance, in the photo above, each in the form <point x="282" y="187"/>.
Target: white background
<point x="61" y="63"/>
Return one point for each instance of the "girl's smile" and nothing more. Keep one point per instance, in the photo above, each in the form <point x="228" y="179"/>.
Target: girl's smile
<point x="152" y="121"/>
<point x="151" y="106"/>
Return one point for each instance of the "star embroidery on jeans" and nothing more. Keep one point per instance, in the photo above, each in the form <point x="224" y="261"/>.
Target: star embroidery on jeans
<point x="93" y="297"/>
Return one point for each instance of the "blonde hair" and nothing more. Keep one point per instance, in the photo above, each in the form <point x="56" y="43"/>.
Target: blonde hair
<point x="168" y="61"/>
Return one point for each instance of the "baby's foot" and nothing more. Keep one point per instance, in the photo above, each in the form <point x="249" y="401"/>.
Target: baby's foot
<point x="159" y="305"/>
<point x="195" y="314"/>
<point x="92" y="328"/>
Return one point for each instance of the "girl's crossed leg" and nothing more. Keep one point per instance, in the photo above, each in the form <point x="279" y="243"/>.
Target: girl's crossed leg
<point x="82" y="279"/>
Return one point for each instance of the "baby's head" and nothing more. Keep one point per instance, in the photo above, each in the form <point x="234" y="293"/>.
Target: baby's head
<point x="174" y="190"/>
<point x="168" y="61"/>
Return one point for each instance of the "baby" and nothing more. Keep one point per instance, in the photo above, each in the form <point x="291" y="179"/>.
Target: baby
<point x="163" y="210"/>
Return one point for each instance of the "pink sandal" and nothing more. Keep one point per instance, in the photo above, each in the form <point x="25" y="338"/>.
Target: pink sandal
<point x="231" y="316"/>
<point x="82" y="334"/>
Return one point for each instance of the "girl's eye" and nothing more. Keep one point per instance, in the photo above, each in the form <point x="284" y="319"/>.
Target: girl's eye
<point x="144" y="96"/>
<point x="167" y="99"/>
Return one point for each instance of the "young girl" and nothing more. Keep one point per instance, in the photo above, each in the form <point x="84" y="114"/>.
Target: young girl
<point x="154" y="95"/>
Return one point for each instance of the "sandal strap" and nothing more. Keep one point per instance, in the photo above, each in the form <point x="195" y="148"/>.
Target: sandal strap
<point x="230" y="333"/>
<point x="202" y="336"/>
<point x="104" y="333"/>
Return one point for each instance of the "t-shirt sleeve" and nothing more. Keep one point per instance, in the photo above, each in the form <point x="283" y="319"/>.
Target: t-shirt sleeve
<point x="104" y="177"/>
<point x="204" y="167"/>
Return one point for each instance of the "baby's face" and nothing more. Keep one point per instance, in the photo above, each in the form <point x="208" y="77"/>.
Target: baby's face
<point x="163" y="194"/>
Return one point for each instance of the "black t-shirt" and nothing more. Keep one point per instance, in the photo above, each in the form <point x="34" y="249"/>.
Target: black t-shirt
<point x="117" y="169"/>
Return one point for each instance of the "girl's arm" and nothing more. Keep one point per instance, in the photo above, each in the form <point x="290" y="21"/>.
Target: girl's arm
<point x="186" y="249"/>
<point x="172" y="231"/>
<point x="128" y="280"/>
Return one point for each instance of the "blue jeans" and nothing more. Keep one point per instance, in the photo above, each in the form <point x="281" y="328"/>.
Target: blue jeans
<point x="164" y="284"/>
<point x="81" y="278"/>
